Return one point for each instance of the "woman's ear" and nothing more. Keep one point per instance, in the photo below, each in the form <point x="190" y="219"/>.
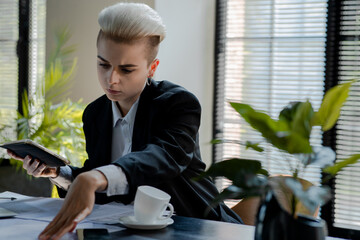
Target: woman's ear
<point x="153" y="67"/>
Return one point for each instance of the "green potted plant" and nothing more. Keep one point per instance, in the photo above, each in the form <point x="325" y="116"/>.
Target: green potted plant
<point x="50" y="118"/>
<point x="278" y="216"/>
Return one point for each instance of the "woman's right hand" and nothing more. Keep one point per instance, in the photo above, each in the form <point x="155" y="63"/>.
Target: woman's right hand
<point x="35" y="167"/>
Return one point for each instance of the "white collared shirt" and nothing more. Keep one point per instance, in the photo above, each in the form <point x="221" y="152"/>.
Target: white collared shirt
<point x="121" y="145"/>
<point x="122" y="131"/>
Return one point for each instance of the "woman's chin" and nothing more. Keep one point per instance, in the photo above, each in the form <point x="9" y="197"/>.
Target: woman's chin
<point x="113" y="98"/>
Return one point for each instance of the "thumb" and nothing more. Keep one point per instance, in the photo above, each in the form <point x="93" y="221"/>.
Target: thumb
<point x="82" y="215"/>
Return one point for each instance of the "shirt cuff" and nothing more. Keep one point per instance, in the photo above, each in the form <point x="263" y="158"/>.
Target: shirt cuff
<point x="64" y="179"/>
<point x="117" y="181"/>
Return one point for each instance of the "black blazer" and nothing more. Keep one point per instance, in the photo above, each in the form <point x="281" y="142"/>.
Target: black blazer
<point x="165" y="150"/>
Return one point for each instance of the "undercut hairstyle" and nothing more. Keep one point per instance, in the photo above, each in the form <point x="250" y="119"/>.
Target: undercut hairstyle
<point x="132" y="22"/>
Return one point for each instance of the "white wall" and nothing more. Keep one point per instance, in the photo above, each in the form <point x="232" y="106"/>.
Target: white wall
<point x="81" y="18"/>
<point x="186" y="54"/>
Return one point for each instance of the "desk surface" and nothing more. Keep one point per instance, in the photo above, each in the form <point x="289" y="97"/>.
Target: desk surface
<point x="34" y="214"/>
<point x="185" y="228"/>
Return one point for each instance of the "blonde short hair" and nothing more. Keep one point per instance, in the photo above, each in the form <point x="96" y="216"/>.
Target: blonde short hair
<point x="129" y="22"/>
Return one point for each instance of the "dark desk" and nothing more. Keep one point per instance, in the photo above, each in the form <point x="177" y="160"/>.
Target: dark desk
<point x="185" y="228"/>
<point x="34" y="214"/>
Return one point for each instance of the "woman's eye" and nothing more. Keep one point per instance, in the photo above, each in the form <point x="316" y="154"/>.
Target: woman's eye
<point x="126" y="71"/>
<point x="104" y="65"/>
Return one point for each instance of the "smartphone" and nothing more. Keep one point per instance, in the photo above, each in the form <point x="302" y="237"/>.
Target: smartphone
<point x="93" y="234"/>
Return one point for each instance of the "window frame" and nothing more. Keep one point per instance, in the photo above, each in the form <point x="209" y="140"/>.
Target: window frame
<point x="331" y="79"/>
<point x="23" y="50"/>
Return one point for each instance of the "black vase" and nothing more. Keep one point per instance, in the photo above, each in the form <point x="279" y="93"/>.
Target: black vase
<point x="273" y="223"/>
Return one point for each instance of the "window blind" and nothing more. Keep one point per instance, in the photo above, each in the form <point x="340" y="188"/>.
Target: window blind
<point x="347" y="192"/>
<point x="37" y="47"/>
<point x="37" y="43"/>
<point x="8" y="62"/>
<point x="270" y="53"/>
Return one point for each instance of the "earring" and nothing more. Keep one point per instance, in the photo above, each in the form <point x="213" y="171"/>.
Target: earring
<point x="148" y="81"/>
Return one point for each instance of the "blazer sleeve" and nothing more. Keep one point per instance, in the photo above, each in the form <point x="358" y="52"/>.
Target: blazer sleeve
<point x="172" y="144"/>
<point x="96" y="119"/>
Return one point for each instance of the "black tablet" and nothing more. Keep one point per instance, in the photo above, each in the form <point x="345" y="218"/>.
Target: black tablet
<point x="29" y="147"/>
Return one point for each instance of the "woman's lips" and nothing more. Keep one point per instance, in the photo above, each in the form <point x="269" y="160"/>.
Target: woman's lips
<point x="114" y="92"/>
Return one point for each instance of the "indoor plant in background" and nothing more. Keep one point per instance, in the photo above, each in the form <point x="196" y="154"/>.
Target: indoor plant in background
<point x="278" y="216"/>
<point x="50" y="118"/>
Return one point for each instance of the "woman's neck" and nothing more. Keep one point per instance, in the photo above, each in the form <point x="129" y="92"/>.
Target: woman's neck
<point x="125" y="106"/>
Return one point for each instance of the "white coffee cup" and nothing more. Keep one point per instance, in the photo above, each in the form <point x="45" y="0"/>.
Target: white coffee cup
<point x="150" y="205"/>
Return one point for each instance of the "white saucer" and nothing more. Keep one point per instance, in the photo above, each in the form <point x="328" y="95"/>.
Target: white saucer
<point x="131" y="222"/>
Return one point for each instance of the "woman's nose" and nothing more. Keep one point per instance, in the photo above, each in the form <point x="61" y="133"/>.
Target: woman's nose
<point x="114" y="77"/>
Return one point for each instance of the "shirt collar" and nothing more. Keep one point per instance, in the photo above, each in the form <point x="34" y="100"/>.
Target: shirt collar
<point x="130" y="116"/>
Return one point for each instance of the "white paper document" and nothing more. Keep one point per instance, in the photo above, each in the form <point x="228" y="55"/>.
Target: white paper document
<point x="11" y="196"/>
<point x="45" y="209"/>
<point x="33" y="214"/>
<point x="30" y="229"/>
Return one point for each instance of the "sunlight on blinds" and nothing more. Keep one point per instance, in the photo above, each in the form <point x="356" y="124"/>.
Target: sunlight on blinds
<point x="8" y="62"/>
<point x="274" y="53"/>
<point x="37" y="56"/>
<point x="37" y="45"/>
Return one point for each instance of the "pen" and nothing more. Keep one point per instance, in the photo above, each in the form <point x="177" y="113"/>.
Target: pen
<point x="11" y="198"/>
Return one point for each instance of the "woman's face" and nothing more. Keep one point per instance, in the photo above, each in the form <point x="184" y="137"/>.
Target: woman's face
<point x="123" y="70"/>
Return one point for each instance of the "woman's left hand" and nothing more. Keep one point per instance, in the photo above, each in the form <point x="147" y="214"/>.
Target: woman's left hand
<point x="78" y="204"/>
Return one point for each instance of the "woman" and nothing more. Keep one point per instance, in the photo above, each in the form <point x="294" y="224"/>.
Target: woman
<point x="141" y="132"/>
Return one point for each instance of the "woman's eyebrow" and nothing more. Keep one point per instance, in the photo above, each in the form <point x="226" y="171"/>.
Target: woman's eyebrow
<point x="122" y="66"/>
<point x="103" y="59"/>
<point x="127" y="65"/>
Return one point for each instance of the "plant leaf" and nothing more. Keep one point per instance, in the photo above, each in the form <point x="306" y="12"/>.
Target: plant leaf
<point x="298" y="116"/>
<point x="261" y="122"/>
<point x="301" y="123"/>
<point x="339" y="165"/>
<point x="242" y="172"/>
<point x="278" y="133"/>
<point x="296" y="143"/>
<point x="248" y="144"/>
<point x="216" y="141"/>
<point x="62" y="36"/>
<point x="231" y="192"/>
<point x="329" y="110"/>
<point x="25" y="104"/>
<point x="55" y="126"/>
<point x="254" y="146"/>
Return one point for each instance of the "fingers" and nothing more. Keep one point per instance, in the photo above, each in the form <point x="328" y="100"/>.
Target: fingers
<point x="33" y="167"/>
<point x="60" y="225"/>
<point x="78" y="204"/>
<point x="82" y="215"/>
<point x="57" y="230"/>
<point x="74" y="226"/>
<point x="26" y="162"/>
<point x="38" y="171"/>
<point x="14" y="156"/>
<point x="54" y="228"/>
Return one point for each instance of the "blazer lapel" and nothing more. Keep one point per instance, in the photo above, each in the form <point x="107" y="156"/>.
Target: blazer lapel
<point x="104" y="134"/>
<point x="142" y="115"/>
